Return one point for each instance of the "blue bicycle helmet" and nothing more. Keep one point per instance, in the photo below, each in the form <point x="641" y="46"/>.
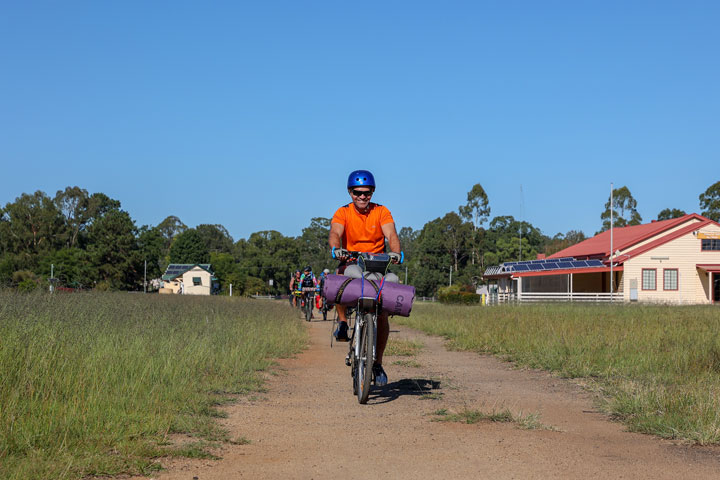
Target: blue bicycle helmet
<point x="361" y="178"/>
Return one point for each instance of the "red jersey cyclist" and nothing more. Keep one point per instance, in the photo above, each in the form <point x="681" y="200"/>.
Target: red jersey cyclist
<point x="363" y="226"/>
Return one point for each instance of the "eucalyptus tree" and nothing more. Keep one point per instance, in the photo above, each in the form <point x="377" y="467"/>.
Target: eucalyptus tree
<point x="710" y="202"/>
<point x="32" y="225"/>
<point x="624" y="210"/>
<point x="189" y="247"/>
<point x="216" y="238"/>
<point x="477" y="211"/>
<point x="74" y="205"/>
<point x="170" y="227"/>
<point x="670" y="213"/>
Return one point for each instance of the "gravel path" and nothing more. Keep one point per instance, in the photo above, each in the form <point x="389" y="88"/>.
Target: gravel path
<point x="308" y="425"/>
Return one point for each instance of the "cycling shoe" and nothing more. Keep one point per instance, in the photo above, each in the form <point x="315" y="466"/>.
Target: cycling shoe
<point x="380" y="376"/>
<point x="341" y="332"/>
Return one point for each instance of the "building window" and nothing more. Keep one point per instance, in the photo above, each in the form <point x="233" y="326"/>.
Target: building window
<point x="649" y="281"/>
<point x="197" y="281"/>
<point x="670" y="279"/>
<point x="710" y="244"/>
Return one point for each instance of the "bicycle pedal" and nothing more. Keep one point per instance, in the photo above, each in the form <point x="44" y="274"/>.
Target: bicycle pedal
<point x="347" y="360"/>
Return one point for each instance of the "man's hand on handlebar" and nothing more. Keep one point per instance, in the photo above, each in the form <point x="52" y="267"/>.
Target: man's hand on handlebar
<point x="340" y="254"/>
<point x="396" y="258"/>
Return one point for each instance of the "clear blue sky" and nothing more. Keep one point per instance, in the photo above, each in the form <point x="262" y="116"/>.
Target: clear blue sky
<point x="251" y="114"/>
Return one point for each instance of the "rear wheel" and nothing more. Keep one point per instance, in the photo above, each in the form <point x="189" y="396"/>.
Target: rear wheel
<point x="308" y="308"/>
<point x="363" y="374"/>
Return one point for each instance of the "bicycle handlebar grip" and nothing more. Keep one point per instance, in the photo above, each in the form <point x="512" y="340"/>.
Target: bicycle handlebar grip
<point x="397" y="257"/>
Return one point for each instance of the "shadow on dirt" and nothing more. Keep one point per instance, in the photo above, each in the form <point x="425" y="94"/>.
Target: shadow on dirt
<point x="406" y="386"/>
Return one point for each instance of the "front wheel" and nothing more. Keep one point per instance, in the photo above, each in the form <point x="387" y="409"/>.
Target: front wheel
<point x="363" y="374"/>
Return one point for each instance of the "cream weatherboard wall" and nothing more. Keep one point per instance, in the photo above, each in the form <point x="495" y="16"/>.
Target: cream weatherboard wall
<point x="684" y="254"/>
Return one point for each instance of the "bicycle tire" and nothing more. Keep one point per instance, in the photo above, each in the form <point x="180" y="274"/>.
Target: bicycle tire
<point x="308" y="308"/>
<point x="366" y="360"/>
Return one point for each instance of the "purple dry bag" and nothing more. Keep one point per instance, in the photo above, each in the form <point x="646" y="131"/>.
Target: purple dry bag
<point x="396" y="299"/>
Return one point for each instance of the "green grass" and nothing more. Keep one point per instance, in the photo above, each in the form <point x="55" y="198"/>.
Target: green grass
<point x="95" y="384"/>
<point x="657" y="367"/>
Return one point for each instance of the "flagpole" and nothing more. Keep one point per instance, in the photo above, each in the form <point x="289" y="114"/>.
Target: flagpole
<point x="611" y="241"/>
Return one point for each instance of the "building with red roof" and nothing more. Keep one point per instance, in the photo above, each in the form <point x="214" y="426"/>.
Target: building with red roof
<point x="672" y="261"/>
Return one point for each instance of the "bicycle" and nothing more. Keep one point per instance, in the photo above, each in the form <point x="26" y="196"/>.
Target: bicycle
<point x="307" y="299"/>
<point x="363" y="340"/>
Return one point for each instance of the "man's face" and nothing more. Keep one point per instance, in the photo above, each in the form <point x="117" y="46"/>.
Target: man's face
<point x="361" y="197"/>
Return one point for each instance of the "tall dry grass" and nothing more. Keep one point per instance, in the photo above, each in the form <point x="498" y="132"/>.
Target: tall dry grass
<point x="93" y="384"/>
<point x="658" y="367"/>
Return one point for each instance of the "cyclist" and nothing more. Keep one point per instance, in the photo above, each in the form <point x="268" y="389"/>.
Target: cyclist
<point x="294" y="284"/>
<point x="363" y="226"/>
<point x="307" y="280"/>
<point x="320" y="284"/>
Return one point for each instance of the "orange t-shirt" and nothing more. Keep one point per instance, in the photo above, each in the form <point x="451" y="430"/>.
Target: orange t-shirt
<point x="363" y="232"/>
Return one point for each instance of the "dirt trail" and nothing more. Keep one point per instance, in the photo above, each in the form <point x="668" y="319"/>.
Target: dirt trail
<point x="309" y="426"/>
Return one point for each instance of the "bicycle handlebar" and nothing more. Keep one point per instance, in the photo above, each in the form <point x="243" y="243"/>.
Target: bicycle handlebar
<point x="339" y="253"/>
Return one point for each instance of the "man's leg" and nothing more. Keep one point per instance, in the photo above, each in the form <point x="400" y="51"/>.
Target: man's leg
<point x="383" y="332"/>
<point x="342" y="312"/>
<point x="341" y="332"/>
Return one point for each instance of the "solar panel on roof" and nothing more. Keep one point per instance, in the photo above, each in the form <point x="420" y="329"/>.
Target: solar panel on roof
<point x="579" y="263"/>
<point x="565" y="265"/>
<point x="565" y="259"/>
<point x="594" y="263"/>
<point x="521" y="268"/>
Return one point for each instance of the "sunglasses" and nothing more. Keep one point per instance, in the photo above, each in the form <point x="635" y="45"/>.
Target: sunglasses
<point x="360" y="193"/>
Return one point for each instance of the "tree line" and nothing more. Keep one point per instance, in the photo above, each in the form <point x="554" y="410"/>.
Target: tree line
<point x="92" y="243"/>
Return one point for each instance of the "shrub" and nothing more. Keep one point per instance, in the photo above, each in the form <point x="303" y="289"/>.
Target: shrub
<point x="457" y="295"/>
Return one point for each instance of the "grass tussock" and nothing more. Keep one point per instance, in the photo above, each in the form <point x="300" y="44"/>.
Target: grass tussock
<point x="95" y="384"/>
<point x="470" y="416"/>
<point x="658" y="367"/>
<point x="403" y="348"/>
<point x="409" y="363"/>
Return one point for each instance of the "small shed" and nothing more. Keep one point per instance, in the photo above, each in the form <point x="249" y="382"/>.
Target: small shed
<point x="189" y="279"/>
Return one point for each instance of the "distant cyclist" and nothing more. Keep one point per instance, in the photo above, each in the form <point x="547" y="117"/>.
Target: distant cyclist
<point x="320" y="284"/>
<point x="363" y="226"/>
<point x="294" y="284"/>
<point x="307" y="280"/>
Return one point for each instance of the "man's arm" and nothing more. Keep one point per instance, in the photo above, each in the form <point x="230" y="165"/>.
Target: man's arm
<point x="336" y="232"/>
<point x="392" y="237"/>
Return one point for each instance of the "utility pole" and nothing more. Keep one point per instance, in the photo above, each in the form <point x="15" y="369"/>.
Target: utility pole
<point x="52" y="278"/>
<point x="406" y="274"/>
<point x="231" y="289"/>
<point x="450" y="276"/>
<point x="145" y="278"/>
